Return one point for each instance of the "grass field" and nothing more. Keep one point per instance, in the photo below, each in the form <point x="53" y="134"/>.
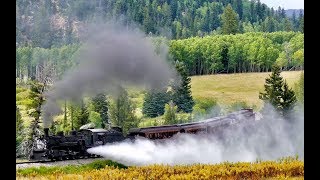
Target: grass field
<point x="230" y="88"/>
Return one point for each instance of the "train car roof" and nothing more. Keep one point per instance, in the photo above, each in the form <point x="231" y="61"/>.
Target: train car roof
<point x="95" y="130"/>
<point x="175" y="127"/>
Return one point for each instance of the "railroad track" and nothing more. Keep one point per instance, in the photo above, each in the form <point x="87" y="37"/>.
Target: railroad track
<point x="52" y="161"/>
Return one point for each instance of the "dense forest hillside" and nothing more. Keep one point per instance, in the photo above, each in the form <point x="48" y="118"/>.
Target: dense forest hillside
<point x="247" y="52"/>
<point x="47" y="23"/>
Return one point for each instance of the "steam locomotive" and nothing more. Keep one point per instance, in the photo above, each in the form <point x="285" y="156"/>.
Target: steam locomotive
<point x="75" y="145"/>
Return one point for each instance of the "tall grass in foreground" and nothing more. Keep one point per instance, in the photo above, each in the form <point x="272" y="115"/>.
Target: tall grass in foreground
<point x="285" y="168"/>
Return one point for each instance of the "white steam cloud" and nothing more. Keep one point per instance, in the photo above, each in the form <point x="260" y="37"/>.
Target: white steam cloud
<point x="266" y="139"/>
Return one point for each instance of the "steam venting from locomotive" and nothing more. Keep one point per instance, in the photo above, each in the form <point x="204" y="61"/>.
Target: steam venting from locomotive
<point x="113" y="55"/>
<point x="267" y="139"/>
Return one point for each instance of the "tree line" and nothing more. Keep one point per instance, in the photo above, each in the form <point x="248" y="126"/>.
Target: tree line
<point x="46" y="23"/>
<point x="248" y="52"/>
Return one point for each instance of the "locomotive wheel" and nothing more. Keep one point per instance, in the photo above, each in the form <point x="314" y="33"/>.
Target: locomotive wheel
<point x="71" y="157"/>
<point x="59" y="158"/>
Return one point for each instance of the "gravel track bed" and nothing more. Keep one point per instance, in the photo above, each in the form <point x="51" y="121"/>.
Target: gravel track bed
<point x="58" y="163"/>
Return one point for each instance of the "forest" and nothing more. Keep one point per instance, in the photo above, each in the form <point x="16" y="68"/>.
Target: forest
<point x="47" y="23"/>
<point x="247" y="52"/>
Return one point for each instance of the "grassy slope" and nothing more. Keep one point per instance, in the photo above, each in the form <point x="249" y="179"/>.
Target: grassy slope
<point x="229" y="88"/>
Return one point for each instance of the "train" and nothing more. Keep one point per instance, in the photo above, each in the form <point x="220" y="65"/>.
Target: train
<point x="75" y="145"/>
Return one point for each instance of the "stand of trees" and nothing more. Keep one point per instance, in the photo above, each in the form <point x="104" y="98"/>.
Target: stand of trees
<point x="248" y="52"/>
<point x="46" y="23"/>
<point x="177" y="99"/>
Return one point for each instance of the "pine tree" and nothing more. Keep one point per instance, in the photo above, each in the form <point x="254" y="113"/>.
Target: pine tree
<point x="288" y="100"/>
<point x="240" y="8"/>
<point x="301" y="21"/>
<point x="277" y="93"/>
<point x="154" y="103"/>
<point x="19" y="127"/>
<point x="230" y="21"/>
<point x="122" y="111"/>
<point x="81" y="116"/>
<point x="19" y="122"/>
<point x="182" y="92"/>
<point x="294" y="21"/>
<point x="287" y="25"/>
<point x="33" y="129"/>
<point x="259" y="10"/>
<point x="273" y="88"/>
<point x="100" y="104"/>
<point x="252" y="12"/>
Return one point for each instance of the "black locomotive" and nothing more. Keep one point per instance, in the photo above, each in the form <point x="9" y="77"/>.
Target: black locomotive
<point x="75" y="145"/>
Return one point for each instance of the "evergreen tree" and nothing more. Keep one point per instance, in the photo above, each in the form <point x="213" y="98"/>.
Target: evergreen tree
<point x="273" y="88"/>
<point x="287" y="25"/>
<point x="259" y="10"/>
<point x="288" y="100"/>
<point x="240" y="8"/>
<point x="65" y="119"/>
<point x="33" y="129"/>
<point x="252" y="12"/>
<point x="122" y="111"/>
<point x="100" y="104"/>
<point x="301" y="22"/>
<point x="182" y="92"/>
<point x="294" y="21"/>
<point x="154" y="103"/>
<point x="81" y="116"/>
<point x="283" y="13"/>
<point x="19" y="122"/>
<point x="277" y="93"/>
<point x="19" y="127"/>
<point x="230" y="22"/>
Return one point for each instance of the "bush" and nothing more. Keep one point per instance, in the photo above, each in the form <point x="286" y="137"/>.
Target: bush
<point x="206" y="108"/>
<point x="236" y="106"/>
<point x="19" y="90"/>
<point x="21" y="95"/>
<point x="95" y="118"/>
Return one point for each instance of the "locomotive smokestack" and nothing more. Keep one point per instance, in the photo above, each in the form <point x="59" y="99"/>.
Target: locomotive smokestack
<point x="46" y="132"/>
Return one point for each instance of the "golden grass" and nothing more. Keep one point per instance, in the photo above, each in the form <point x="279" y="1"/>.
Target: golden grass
<point x="230" y="88"/>
<point x="292" y="169"/>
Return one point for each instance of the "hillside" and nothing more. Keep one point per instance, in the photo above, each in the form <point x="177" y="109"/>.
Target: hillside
<point x="46" y="23"/>
<point x="230" y="88"/>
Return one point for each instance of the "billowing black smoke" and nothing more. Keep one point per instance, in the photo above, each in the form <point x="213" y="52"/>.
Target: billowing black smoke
<point x="112" y="56"/>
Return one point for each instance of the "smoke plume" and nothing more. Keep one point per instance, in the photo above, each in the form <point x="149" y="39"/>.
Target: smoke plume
<point x="113" y="55"/>
<point x="267" y="139"/>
